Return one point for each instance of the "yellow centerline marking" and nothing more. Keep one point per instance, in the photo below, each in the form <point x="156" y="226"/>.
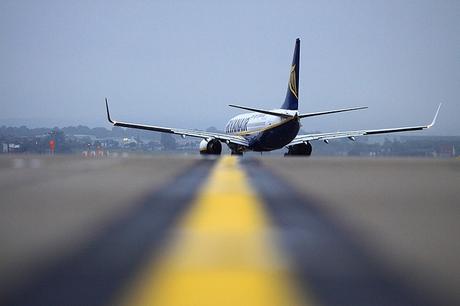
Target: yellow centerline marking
<point x="222" y="253"/>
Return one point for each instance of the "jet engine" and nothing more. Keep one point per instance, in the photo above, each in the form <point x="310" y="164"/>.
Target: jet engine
<point x="210" y="146"/>
<point x="303" y="149"/>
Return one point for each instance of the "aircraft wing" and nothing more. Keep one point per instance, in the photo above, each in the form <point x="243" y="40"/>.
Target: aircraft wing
<point x="182" y="132"/>
<point x="352" y="134"/>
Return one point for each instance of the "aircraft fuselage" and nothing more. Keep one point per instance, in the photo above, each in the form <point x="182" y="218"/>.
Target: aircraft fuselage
<point x="264" y="132"/>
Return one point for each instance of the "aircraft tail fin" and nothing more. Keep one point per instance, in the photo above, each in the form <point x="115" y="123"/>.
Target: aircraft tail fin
<point x="292" y="95"/>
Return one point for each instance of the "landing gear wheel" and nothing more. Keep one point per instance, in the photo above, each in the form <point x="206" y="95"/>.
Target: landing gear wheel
<point x="303" y="149"/>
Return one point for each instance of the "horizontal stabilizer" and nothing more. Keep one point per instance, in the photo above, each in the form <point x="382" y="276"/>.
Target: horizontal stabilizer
<point x="331" y="112"/>
<point x="262" y="111"/>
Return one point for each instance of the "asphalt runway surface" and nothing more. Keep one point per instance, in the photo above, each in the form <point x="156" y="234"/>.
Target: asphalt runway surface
<point x="175" y="230"/>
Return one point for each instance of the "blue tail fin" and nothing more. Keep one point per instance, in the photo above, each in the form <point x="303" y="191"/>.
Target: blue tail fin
<point x="292" y="96"/>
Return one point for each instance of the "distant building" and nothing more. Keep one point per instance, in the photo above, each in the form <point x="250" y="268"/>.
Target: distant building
<point x="446" y="150"/>
<point x="11" y="148"/>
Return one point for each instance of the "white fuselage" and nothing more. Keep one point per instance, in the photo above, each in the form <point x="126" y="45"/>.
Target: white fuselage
<point x="250" y="123"/>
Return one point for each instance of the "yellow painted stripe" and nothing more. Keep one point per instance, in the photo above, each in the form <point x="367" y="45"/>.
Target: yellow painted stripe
<point x="222" y="253"/>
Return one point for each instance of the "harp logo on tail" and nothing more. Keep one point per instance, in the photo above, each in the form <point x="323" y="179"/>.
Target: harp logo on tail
<point x="293" y="82"/>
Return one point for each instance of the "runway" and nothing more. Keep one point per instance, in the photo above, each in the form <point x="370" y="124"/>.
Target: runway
<point x="174" y="230"/>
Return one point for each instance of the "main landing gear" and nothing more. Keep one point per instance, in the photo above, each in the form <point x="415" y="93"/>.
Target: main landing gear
<point x="303" y="149"/>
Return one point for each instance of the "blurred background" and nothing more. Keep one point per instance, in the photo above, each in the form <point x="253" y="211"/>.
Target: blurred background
<point x="153" y="60"/>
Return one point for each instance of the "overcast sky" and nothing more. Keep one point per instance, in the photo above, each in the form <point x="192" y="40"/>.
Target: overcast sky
<point x="180" y="63"/>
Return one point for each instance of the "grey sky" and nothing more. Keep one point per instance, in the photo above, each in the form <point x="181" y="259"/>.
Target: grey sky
<point x="181" y="62"/>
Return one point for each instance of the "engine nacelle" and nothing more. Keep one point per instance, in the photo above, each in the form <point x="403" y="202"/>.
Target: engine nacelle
<point x="303" y="149"/>
<point x="212" y="146"/>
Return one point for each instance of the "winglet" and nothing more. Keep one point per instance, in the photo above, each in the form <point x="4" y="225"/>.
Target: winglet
<point x="435" y="116"/>
<point x="108" y="113"/>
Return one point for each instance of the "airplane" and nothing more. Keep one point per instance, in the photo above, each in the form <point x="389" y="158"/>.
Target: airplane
<point x="267" y="130"/>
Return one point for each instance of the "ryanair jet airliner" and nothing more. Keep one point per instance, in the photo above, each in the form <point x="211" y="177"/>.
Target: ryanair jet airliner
<point x="267" y="130"/>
